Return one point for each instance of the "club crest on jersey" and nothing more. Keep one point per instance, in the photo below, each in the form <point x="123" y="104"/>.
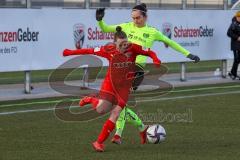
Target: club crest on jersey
<point x="130" y="36"/>
<point x="145" y="35"/>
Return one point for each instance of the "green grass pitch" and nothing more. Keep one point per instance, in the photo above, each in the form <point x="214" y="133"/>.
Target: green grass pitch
<point x="207" y="127"/>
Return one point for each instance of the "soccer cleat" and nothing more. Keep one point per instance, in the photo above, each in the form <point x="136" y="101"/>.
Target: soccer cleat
<point x="98" y="146"/>
<point x="233" y="77"/>
<point x="238" y="77"/>
<point x="116" y="139"/>
<point x="143" y="135"/>
<point x="85" y="100"/>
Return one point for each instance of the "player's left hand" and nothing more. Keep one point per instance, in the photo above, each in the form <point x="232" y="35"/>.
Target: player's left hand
<point x="100" y="14"/>
<point x="193" y="57"/>
<point x="157" y="63"/>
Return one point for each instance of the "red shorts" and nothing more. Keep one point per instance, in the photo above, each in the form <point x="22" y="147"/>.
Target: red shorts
<point x="117" y="95"/>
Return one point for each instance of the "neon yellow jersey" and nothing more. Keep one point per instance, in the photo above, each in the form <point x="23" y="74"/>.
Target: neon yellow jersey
<point x="144" y="36"/>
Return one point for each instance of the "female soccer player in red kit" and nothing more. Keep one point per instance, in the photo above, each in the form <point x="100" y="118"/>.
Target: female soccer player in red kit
<point x="116" y="86"/>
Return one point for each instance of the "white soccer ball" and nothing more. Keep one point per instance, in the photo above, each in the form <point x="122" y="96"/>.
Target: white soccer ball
<point x="156" y="134"/>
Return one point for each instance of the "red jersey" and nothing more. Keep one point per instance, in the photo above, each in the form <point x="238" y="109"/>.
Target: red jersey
<point x="120" y="74"/>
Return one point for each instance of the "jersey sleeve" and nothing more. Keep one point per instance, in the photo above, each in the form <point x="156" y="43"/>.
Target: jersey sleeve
<point x="174" y="45"/>
<point x="68" y="52"/>
<point x="138" y="50"/>
<point x="106" y="28"/>
<point x="109" y="28"/>
<point x="101" y="52"/>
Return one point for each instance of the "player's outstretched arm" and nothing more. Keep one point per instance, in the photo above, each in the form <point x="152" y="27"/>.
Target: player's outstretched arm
<point x="100" y="12"/>
<point x="107" y="28"/>
<point x="138" y="49"/>
<point x="174" y="45"/>
<point x="68" y="52"/>
<point x="96" y="51"/>
<point x="193" y="57"/>
<point x="154" y="57"/>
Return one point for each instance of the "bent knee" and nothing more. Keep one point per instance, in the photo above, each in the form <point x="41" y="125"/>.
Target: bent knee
<point x="115" y="114"/>
<point x="100" y="110"/>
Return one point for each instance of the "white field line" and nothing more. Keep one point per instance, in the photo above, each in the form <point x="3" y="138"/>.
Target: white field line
<point x="159" y="99"/>
<point x="183" y="90"/>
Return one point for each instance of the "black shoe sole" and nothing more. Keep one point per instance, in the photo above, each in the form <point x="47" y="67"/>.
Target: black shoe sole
<point x="231" y="76"/>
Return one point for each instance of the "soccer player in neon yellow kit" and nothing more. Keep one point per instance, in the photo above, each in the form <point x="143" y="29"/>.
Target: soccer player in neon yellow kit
<point x="142" y="34"/>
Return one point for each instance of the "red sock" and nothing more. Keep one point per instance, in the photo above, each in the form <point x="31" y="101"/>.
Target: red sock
<point x="108" y="127"/>
<point x="116" y="136"/>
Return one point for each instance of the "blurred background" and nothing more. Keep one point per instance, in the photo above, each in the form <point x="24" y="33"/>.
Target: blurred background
<point x="42" y="76"/>
<point x="163" y="4"/>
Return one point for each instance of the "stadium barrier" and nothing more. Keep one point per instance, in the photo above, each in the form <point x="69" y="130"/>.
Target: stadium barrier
<point x="33" y="39"/>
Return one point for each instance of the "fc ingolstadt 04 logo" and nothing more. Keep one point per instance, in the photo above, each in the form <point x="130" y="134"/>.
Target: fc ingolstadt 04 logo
<point x="78" y="34"/>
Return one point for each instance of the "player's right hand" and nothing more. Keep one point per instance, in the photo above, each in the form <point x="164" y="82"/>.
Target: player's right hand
<point x="100" y="14"/>
<point x="66" y="52"/>
<point x="193" y="57"/>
